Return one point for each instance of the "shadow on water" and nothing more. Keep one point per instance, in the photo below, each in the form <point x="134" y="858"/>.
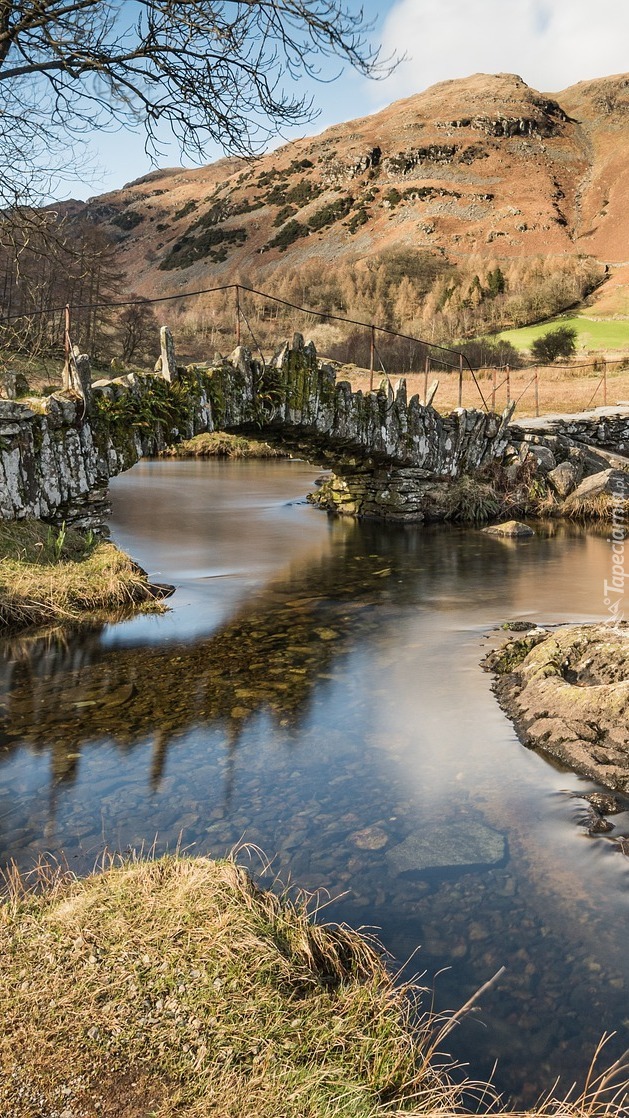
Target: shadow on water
<point x="337" y="717"/>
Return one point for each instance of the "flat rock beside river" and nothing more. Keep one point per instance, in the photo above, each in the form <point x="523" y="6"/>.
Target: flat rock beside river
<point x="567" y="692"/>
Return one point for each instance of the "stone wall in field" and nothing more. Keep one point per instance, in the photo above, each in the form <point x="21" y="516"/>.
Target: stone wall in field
<point x="607" y="428"/>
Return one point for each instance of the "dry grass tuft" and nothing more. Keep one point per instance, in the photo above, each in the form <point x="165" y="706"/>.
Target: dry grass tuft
<point x="603" y="506"/>
<point x="472" y="500"/>
<point x="210" y="996"/>
<point x="177" y="987"/>
<point x="219" y="444"/>
<point x="49" y="575"/>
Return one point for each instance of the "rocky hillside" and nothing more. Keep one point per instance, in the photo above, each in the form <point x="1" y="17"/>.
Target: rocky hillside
<point x="483" y="165"/>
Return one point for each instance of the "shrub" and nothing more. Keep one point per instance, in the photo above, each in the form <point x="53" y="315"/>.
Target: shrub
<point x="491" y="352"/>
<point x="358" y="218"/>
<point x="331" y="213"/>
<point x="554" y="344"/>
<point x="289" y="233"/>
<point x="127" y="220"/>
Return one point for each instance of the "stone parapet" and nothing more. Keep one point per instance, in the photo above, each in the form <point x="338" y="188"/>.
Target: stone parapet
<point x="394" y="458"/>
<point x="56" y="460"/>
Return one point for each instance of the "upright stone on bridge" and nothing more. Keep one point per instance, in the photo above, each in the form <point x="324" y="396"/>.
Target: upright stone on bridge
<point x="168" y="366"/>
<point x="79" y="376"/>
<point x="400" y="392"/>
<point x="242" y="359"/>
<point x="8" y="384"/>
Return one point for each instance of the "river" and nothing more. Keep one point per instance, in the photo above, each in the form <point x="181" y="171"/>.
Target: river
<point x="315" y="696"/>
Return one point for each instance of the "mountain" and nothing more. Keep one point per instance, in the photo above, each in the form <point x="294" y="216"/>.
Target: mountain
<point x="478" y="166"/>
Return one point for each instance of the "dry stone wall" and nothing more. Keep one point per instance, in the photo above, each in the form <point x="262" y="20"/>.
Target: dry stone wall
<point x="395" y="455"/>
<point x="56" y="460"/>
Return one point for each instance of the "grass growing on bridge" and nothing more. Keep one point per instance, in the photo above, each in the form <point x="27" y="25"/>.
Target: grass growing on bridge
<point x="177" y="988"/>
<point x="50" y="575"/>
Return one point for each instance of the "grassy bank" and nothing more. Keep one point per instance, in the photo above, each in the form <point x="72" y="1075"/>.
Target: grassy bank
<point x="50" y="575"/>
<point x="219" y="444"/>
<point x="176" y="987"/>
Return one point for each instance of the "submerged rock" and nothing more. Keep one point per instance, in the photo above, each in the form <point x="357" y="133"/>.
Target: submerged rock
<point x="596" y="823"/>
<point x="467" y="843"/>
<point x="371" y="838"/>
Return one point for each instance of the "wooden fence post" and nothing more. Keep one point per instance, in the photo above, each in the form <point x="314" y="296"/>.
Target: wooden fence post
<point x="460" y="380"/>
<point x="237" y="314"/>
<point x="508" y="379"/>
<point x="494" y="377"/>
<point x="604" y="383"/>
<point x="372" y="356"/>
<point x="536" y="390"/>
<point x="67" y="349"/>
<point x="426" y="369"/>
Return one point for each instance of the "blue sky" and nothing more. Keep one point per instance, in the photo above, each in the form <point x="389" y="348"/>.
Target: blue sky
<point x="550" y="43"/>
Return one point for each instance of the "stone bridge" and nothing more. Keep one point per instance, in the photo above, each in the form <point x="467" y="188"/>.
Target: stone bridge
<point x="392" y="457"/>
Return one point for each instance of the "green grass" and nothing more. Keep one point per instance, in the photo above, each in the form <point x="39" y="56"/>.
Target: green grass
<point x="592" y="334"/>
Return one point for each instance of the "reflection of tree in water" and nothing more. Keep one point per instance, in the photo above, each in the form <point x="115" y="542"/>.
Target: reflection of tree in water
<point x="64" y="691"/>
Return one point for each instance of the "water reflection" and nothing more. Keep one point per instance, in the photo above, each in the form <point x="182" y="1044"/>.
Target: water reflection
<point x="336" y="716"/>
<point x="65" y="689"/>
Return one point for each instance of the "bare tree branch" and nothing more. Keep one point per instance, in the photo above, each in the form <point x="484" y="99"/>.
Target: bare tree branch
<point x="221" y="71"/>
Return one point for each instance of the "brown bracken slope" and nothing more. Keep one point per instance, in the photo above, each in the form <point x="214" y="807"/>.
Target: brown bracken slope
<point x="482" y="165"/>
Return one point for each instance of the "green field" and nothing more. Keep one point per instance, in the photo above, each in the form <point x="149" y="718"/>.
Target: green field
<point x="594" y="334"/>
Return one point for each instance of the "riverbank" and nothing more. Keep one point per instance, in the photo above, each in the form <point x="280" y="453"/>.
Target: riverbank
<point x="50" y="575"/>
<point x="567" y="692"/>
<point x="178" y="987"/>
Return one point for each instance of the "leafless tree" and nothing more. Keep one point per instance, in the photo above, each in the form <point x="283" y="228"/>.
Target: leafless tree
<point x="44" y="264"/>
<point x="137" y="330"/>
<point x="202" y="70"/>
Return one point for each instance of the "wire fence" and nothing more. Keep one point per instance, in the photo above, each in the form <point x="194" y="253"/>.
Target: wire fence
<point x="217" y="318"/>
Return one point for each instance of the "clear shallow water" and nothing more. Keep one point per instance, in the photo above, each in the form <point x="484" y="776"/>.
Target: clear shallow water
<point x="316" y="691"/>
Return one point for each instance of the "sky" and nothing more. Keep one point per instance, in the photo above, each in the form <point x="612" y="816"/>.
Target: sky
<point x="551" y="44"/>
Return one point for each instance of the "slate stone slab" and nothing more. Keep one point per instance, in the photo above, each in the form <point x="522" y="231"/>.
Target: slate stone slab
<point x="463" y="843"/>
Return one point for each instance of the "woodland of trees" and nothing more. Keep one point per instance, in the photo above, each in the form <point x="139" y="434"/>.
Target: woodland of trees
<point x="47" y="264"/>
<point x="414" y="292"/>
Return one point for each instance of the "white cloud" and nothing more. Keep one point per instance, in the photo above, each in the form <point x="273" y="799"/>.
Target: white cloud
<point x="550" y="43"/>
